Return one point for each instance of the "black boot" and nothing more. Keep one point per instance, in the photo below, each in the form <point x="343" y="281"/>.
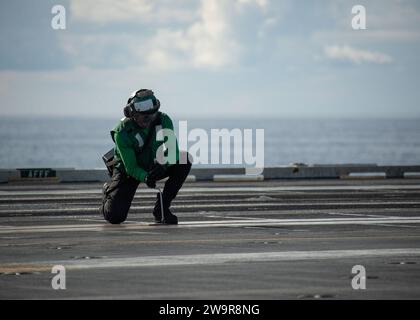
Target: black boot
<point x="177" y="174"/>
<point x="169" y="217"/>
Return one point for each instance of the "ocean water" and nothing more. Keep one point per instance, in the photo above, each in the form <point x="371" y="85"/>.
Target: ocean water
<point x="80" y="142"/>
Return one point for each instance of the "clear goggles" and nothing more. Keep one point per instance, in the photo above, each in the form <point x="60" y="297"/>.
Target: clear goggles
<point x="144" y="106"/>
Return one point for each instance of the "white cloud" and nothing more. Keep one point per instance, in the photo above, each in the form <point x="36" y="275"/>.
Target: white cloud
<point x="208" y="40"/>
<point x="139" y="11"/>
<point x="99" y="49"/>
<point x="366" y="36"/>
<point x="347" y="53"/>
<point x="211" y="39"/>
<point x="110" y="11"/>
<point x="262" y="4"/>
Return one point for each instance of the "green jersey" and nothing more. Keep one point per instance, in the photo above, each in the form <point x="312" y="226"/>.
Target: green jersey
<point x="135" y="151"/>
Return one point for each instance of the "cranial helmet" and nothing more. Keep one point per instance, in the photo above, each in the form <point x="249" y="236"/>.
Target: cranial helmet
<point x="141" y="101"/>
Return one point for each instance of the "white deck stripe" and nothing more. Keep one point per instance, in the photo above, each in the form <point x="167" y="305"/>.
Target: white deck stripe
<point x="218" y="223"/>
<point x="225" y="258"/>
<point x="224" y="189"/>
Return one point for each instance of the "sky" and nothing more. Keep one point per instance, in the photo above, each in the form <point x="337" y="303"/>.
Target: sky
<point x="211" y="58"/>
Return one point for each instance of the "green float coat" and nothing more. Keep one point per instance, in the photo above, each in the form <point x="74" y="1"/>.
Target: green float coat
<point x="131" y="155"/>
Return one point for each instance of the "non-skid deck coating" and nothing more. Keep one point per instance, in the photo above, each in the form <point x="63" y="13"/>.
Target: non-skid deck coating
<point x="279" y="239"/>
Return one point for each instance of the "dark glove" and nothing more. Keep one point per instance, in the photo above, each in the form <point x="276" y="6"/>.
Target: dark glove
<point x="150" y="182"/>
<point x="157" y="172"/>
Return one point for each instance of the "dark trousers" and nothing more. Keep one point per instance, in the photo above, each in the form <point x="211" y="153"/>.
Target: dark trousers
<point x="119" y="193"/>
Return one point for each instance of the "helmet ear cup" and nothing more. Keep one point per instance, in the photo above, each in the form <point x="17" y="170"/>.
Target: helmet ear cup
<point x="127" y="111"/>
<point x="127" y="108"/>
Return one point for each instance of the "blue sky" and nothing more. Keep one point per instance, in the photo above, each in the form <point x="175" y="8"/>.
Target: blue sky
<point x="211" y="58"/>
